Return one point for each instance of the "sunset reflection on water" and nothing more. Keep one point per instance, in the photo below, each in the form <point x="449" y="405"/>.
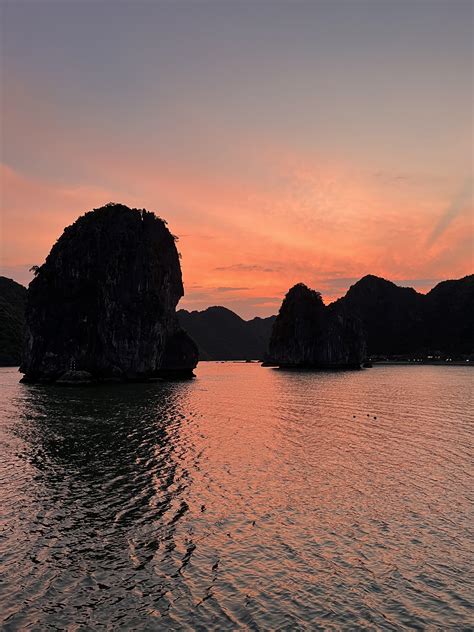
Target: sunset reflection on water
<point x="247" y="497"/>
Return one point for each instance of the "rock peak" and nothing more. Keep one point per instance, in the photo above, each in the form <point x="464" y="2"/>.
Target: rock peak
<point x="299" y="292"/>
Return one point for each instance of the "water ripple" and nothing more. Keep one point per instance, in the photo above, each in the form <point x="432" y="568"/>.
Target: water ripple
<point x="249" y="498"/>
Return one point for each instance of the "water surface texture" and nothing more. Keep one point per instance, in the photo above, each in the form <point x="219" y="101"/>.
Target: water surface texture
<point x="247" y="498"/>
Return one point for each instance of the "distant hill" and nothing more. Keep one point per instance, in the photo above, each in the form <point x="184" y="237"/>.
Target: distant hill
<point x="222" y="335"/>
<point x="12" y="321"/>
<point x="392" y="316"/>
<point x="399" y="320"/>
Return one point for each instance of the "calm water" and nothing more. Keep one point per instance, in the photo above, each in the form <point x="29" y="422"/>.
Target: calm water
<point x="248" y="498"/>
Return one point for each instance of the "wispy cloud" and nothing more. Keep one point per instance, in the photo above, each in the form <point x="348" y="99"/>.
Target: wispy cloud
<point x="460" y="203"/>
<point x="247" y="267"/>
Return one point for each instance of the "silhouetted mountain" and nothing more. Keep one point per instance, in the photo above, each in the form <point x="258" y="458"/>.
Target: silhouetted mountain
<point x="399" y="320"/>
<point x="103" y="303"/>
<point x="396" y="320"/>
<point x="12" y="321"/>
<point x="392" y="315"/>
<point x="222" y="335"/>
<point x="307" y="334"/>
<point x="449" y="317"/>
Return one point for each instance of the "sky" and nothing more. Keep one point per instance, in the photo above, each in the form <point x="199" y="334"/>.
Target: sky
<point x="283" y="142"/>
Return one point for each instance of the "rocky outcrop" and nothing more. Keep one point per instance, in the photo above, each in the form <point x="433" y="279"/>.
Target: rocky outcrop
<point x="104" y="301"/>
<point x="12" y="321"/>
<point x="396" y="320"/>
<point x="307" y="334"/>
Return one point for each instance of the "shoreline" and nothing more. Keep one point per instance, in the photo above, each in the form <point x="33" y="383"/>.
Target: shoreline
<point x="375" y="363"/>
<point x="421" y="363"/>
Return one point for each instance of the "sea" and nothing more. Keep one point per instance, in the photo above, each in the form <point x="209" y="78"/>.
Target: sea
<point x="248" y="498"/>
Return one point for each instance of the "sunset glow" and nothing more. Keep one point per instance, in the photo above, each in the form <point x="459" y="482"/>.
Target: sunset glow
<point x="254" y="141"/>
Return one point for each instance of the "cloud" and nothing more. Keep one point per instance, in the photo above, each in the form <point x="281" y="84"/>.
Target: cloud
<point x="246" y="267"/>
<point x="391" y="177"/>
<point x="459" y="204"/>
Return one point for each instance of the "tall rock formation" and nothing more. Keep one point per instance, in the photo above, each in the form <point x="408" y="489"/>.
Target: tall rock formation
<point x="103" y="304"/>
<point x="307" y="334"/>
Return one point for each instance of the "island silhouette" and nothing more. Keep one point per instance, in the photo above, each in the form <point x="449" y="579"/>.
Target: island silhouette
<point x="103" y="307"/>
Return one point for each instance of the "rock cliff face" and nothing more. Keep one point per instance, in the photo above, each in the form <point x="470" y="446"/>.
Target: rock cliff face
<point x="307" y="334"/>
<point x="104" y="301"/>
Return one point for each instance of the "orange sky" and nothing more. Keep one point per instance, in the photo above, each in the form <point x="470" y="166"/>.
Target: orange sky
<point x="245" y="246"/>
<point x="269" y="173"/>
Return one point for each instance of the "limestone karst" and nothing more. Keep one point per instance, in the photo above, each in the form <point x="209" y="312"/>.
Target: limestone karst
<point x="307" y="334"/>
<point x="103" y="305"/>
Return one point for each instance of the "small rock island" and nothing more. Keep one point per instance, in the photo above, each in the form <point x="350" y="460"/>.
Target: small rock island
<point x="103" y="305"/>
<point x="308" y="335"/>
